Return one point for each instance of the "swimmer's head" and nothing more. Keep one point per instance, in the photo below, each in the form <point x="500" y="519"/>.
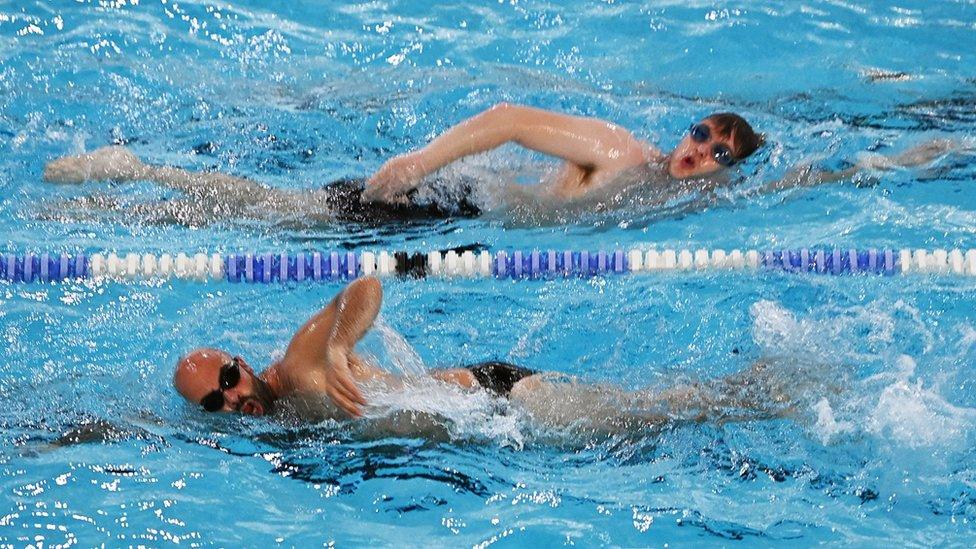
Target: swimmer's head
<point x="716" y="143"/>
<point x="219" y="382"/>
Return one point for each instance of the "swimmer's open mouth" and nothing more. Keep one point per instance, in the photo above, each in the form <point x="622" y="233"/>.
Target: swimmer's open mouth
<point x="252" y="408"/>
<point x="687" y="161"/>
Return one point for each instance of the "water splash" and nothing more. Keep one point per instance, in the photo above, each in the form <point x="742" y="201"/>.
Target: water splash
<point x="913" y="414"/>
<point x="896" y="404"/>
<point x="401" y="354"/>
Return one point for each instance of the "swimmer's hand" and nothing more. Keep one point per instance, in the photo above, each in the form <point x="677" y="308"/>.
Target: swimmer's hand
<point x="396" y="177"/>
<point x="339" y="384"/>
<point x="104" y="164"/>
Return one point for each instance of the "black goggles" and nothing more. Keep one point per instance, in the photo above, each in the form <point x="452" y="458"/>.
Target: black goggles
<point x="230" y="376"/>
<point x="701" y="133"/>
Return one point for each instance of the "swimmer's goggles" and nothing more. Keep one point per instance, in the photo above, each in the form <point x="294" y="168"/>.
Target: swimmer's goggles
<point x="230" y="376"/>
<point x="700" y="133"/>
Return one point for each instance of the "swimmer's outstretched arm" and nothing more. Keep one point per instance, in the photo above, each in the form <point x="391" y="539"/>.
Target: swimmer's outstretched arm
<point x="807" y="176"/>
<point x="119" y="164"/>
<point x="590" y="144"/>
<point x="320" y="357"/>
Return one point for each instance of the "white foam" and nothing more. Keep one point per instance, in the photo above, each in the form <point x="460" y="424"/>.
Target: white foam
<point x="912" y="414"/>
<point x="895" y="404"/>
<point x="465" y="414"/>
<point x="853" y="333"/>
<point x="828" y="428"/>
<point x="401" y="354"/>
<point x="772" y="323"/>
<point x="468" y="414"/>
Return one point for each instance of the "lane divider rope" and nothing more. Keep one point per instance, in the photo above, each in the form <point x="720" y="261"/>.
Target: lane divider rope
<point x="503" y="264"/>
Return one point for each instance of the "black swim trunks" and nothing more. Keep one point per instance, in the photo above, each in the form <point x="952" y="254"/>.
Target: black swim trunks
<point x="499" y="377"/>
<point x="346" y="201"/>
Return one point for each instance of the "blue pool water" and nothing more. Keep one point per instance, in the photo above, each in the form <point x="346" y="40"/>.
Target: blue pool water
<point x="317" y="91"/>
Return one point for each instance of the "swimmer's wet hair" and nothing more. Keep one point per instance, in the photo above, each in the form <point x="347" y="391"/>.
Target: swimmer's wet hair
<point x="744" y="138"/>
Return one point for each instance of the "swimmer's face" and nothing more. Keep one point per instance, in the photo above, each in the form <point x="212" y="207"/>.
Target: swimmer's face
<point x="219" y="382"/>
<point x="703" y="151"/>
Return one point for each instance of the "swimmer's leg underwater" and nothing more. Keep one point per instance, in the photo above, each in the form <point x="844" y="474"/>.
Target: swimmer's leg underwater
<point x="768" y="389"/>
<point x="208" y="197"/>
<point x="118" y="164"/>
<point x="222" y="196"/>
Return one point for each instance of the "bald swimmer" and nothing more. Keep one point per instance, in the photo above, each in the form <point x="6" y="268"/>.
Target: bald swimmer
<point x="320" y="361"/>
<point x="321" y="365"/>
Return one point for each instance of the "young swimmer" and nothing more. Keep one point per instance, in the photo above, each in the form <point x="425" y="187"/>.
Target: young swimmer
<point x="604" y="166"/>
<point x="595" y="154"/>
<point x="320" y="366"/>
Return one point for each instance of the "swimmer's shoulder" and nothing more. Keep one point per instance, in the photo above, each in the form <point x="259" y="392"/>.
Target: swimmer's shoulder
<point x="640" y="156"/>
<point x="647" y="167"/>
<point x="649" y="153"/>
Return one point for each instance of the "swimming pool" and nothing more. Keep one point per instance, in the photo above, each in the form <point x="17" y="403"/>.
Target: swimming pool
<point x="315" y="92"/>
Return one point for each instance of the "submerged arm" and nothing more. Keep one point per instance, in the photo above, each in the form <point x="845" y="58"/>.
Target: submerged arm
<point x="807" y="176"/>
<point x="589" y="143"/>
<point x="321" y="353"/>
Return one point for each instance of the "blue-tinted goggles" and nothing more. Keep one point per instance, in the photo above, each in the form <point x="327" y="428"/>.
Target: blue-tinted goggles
<point x="700" y="133"/>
